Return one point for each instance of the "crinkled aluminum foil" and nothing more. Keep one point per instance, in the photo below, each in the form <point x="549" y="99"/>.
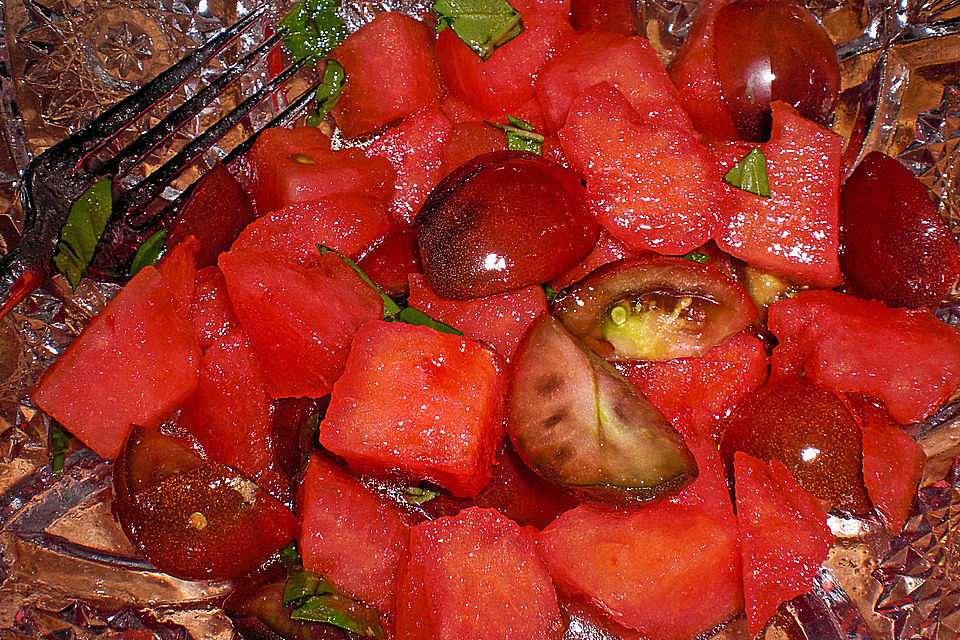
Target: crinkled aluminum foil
<point x="67" y="571"/>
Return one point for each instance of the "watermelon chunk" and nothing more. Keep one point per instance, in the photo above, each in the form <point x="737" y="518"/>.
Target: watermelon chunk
<point x="415" y="150"/>
<point x="893" y="463"/>
<point x="615" y="16"/>
<point x="211" y="312"/>
<point x="500" y="319"/>
<point x="229" y="415"/>
<point x="630" y="64"/>
<point x="426" y="404"/>
<point x="475" y="576"/>
<point x="134" y="364"/>
<point x="390" y="262"/>
<point x="299" y="321"/>
<point x="784" y="537"/>
<point x="391" y="73"/>
<point x="906" y="358"/>
<point x="795" y="232"/>
<point x="709" y="491"/>
<point x="639" y="569"/>
<point x="651" y="187"/>
<point x="694" y="393"/>
<point x="468" y="140"/>
<point x="349" y="535"/>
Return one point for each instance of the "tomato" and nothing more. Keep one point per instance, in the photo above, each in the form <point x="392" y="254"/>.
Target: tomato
<point x="615" y="16"/>
<point x="390" y="262"/>
<point x="655" y="309"/>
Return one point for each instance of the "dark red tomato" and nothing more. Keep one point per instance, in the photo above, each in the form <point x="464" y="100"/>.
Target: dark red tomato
<point x="655" y="309"/>
<point x="894" y="245"/>
<point x="192" y="518"/>
<point x="390" y="262"/>
<point x="771" y="50"/>
<point x="808" y="429"/>
<point x="503" y="221"/>
<point x="617" y="16"/>
<point x="293" y="434"/>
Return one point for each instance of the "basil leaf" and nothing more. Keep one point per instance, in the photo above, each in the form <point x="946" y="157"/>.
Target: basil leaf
<point x="482" y="25"/>
<point x="520" y="135"/>
<point x="750" y="174"/>
<point x="696" y="256"/>
<point x="314" y="28"/>
<point x="419" y="495"/>
<point x="390" y="308"/>
<point x="83" y="229"/>
<point x="59" y="441"/>
<point x="290" y="557"/>
<point x="414" y="316"/>
<point x="341" y="612"/>
<point x="301" y="585"/>
<point x="553" y="294"/>
<point x="149" y="252"/>
<point x="328" y="93"/>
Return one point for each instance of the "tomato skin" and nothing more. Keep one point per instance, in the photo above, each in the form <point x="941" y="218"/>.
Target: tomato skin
<point x="392" y="261"/>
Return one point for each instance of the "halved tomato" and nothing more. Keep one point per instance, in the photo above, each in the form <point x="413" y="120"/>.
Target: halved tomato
<point x="655" y="309"/>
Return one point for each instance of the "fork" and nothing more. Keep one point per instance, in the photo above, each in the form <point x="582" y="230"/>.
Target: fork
<point x="57" y="177"/>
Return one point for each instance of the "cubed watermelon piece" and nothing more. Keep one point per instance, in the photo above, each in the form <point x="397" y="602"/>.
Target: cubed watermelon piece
<point x="628" y="63"/>
<point x="893" y="463"/>
<point x="426" y="404"/>
<point x="906" y="358"/>
<point x="415" y="150"/>
<point x="349" y="223"/>
<point x="215" y="214"/>
<point x="389" y="263"/>
<point x="651" y="187"/>
<point x="667" y="582"/>
<point x="391" y="73"/>
<point x="532" y="8"/>
<point x="504" y="82"/>
<point x="784" y="537"/>
<point x="134" y="364"/>
<point x="229" y="415"/>
<point x="468" y="140"/>
<point x="608" y="249"/>
<point x="500" y="320"/>
<point x="795" y="232"/>
<point x="694" y="73"/>
<point x="211" y="311"/>
<point x="299" y="321"/>
<point x="476" y="576"/>
<point x="178" y="269"/>
<point x="694" y="393"/>
<point x="458" y="111"/>
<point x="615" y="16"/>
<point x="709" y="490"/>
<point x="349" y="535"/>
<point x="286" y="166"/>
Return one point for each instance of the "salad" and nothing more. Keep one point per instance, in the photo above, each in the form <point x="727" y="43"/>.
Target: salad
<point x="574" y="336"/>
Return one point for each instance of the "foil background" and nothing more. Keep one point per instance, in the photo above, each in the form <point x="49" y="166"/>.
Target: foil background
<point x="66" y="569"/>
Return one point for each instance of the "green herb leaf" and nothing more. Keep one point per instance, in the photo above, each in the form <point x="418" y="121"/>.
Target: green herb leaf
<point x="83" y="229"/>
<point x="553" y="294"/>
<point x="290" y="557"/>
<point x="341" y="612"/>
<point x="149" y="252"/>
<point x="750" y="174"/>
<point x="419" y="495"/>
<point x="390" y="308"/>
<point x="314" y="28"/>
<point x="301" y="585"/>
<point x="696" y="256"/>
<point x="483" y="25"/>
<point x="328" y="93"/>
<point x="59" y="441"/>
<point x="414" y="316"/>
<point x="520" y="135"/>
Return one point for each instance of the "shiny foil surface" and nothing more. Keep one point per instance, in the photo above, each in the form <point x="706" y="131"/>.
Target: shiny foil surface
<point x="66" y="569"/>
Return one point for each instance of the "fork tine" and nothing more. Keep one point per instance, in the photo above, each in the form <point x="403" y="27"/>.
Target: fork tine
<point x="121" y="164"/>
<point x="151" y="186"/>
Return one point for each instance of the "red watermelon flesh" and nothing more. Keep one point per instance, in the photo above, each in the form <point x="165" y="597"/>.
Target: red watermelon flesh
<point x="178" y="268"/>
<point x="390" y="262"/>
<point x="906" y="358"/>
<point x="468" y="140"/>
<point x="628" y="63"/>
<point x="651" y="187"/>
<point x="893" y="463"/>
<point x="417" y="402"/>
<point x="391" y="73"/>
<point x="287" y="166"/>
<point x="615" y="16"/>
<point x="216" y="212"/>
<point x="694" y="393"/>
<point x="458" y="111"/>
<point x="709" y="491"/>
<point x="349" y="535"/>
<point x="229" y="415"/>
<point x="349" y="223"/>
<point x="476" y="576"/>
<point x="299" y="321"/>
<point x="134" y="364"/>
<point x="211" y="312"/>
<point x="637" y="567"/>
<point x="694" y="73"/>
<point x="415" y="150"/>
<point x="784" y="537"/>
<point x="500" y="319"/>
<point x="795" y="232"/>
<point x="607" y="250"/>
